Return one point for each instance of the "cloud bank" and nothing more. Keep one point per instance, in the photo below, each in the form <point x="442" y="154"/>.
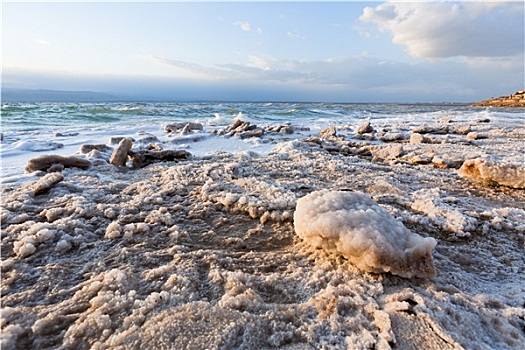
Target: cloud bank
<point x="435" y="30"/>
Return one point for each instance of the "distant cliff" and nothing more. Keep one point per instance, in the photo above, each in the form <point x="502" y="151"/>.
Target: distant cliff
<point x="515" y="100"/>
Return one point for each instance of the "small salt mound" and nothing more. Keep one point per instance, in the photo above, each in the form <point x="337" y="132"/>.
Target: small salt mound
<point x="353" y="225"/>
<point x="493" y="172"/>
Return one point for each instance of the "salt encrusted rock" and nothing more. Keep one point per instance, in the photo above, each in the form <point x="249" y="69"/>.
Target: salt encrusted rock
<point x="476" y="136"/>
<point x="493" y="173"/>
<point x="364" y="128"/>
<point x="47" y="182"/>
<point x="393" y="136"/>
<point x="281" y="129"/>
<point x="329" y="133"/>
<point x="387" y="153"/>
<point x="143" y="158"/>
<point x="461" y="129"/>
<point x="431" y="129"/>
<point x="417" y="138"/>
<point x="353" y="225"/>
<point x="44" y="162"/>
<point x="258" y="132"/>
<point x="185" y="127"/>
<point x="120" y="154"/>
<point x="447" y="161"/>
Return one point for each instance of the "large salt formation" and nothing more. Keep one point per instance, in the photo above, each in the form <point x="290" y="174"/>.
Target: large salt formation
<point x="353" y="225"/>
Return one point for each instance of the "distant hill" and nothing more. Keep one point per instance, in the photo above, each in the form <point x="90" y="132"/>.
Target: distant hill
<point x="41" y="95"/>
<point x="514" y="100"/>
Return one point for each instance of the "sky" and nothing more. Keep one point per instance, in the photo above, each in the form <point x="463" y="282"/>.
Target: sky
<point x="267" y="51"/>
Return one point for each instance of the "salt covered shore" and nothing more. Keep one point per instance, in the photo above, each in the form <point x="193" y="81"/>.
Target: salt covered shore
<point x="202" y="252"/>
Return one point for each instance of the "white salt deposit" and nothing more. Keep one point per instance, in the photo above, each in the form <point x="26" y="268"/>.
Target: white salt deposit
<point x="353" y="225"/>
<point x="205" y="254"/>
<point x="495" y="172"/>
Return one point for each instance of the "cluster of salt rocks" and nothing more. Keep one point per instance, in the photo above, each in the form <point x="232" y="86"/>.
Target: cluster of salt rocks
<point x="399" y="146"/>
<point x="245" y="129"/>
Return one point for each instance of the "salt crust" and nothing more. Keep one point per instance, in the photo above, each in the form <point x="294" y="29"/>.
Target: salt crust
<point x="353" y="225"/>
<point x="196" y="265"/>
<point x="494" y="172"/>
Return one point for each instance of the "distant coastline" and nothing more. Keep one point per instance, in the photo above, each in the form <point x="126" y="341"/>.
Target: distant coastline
<point x="515" y="100"/>
<point x="45" y="95"/>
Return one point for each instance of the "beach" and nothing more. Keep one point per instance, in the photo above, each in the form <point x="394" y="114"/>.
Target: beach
<point x="202" y="252"/>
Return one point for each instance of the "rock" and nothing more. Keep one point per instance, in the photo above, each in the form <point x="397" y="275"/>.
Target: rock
<point x="281" y="129"/>
<point x="46" y="183"/>
<point x="59" y="134"/>
<point x="493" y="172"/>
<point x="364" y="128"/>
<point x="445" y="161"/>
<point x="476" y="136"/>
<point x="45" y="162"/>
<point x="431" y="129"/>
<point x="417" y="138"/>
<point x="461" y="129"/>
<point x="143" y="158"/>
<point x="120" y="154"/>
<point x="99" y="147"/>
<point x="329" y="133"/>
<point x="186" y="127"/>
<point x="387" y="153"/>
<point x="393" y="136"/>
<point x="154" y="147"/>
<point x="258" y="132"/>
<point x="482" y="120"/>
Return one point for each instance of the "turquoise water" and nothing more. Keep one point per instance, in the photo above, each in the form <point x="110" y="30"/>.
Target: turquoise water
<point x="24" y="117"/>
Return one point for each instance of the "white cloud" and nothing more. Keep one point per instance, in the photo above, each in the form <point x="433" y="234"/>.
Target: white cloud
<point x="245" y="26"/>
<point x="42" y="42"/>
<point x="294" y="34"/>
<point x="435" y="30"/>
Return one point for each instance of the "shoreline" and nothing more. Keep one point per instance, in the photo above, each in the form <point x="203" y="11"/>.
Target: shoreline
<point x="203" y="251"/>
<point x="516" y="100"/>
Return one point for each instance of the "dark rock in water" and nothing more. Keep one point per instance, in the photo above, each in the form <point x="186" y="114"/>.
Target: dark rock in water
<point x="482" y="120"/>
<point x="257" y="132"/>
<point x="99" y="147"/>
<point x="46" y="183"/>
<point x="120" y="154"/>
<point x="45" y="162"/>
<point x="59" y="134"/>
<point x="186" y="127"/>
<point x="281" y="129"/>
<point x="143" y="158"/>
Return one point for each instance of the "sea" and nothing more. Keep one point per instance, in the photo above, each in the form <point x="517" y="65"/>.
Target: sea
<point x="31" y="129"/>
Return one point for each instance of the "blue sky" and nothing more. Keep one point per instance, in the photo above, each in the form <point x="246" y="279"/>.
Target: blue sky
<point x="292" y="51"/>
